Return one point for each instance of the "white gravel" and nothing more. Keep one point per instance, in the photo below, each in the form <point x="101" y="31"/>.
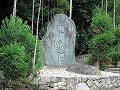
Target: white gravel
<point x="61" y="72"/>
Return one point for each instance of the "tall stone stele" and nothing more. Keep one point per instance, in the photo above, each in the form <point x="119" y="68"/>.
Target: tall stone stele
<point x="59" y="42"/>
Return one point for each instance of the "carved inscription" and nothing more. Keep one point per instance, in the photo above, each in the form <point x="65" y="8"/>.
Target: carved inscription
<point x="59" y="41"/>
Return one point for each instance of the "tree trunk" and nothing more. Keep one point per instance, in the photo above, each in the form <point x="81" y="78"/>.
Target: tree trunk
<point x="14" y="8"/>
<point x="42" y="13"/>
<point x="102" y="5"/>
<point x="114" y="15"/>
<point x="32" y="16"/>
<point x="70" y="8"/>
<point x="97" y="64"/>
<point x="48" y="11"/>
<point x="106" y="6"/>
<point x="36" y="36"/>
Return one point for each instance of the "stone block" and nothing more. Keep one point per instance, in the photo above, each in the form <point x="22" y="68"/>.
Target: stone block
<point x="54" y="79"/>
<point x="62" y="87"/>
<point x="82" y="86"/>
<point x="45" y="79"/>
<point x="78" y="80"/>
<point x="61" y="83"/>
<point x="90" y="83"/>
<point x="61" y="79"/>
<point x="55" y="88"/>
<point x="53" y="85"/>
<point x="97" y="84"/>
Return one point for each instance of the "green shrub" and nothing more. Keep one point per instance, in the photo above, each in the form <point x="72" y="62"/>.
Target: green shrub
<point x="100" y="46"/>
<point x="117" y="34"/>
<point x="105" y="61"/>
<point x="102" y="43"/>
<point x="13" y="61"/>
<point x="39" y="56"/>
<point x="20" y="32"/>
<point x="115" y="57"/>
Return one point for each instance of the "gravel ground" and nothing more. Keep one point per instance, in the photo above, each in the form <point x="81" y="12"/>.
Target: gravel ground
<point x="116" y="88"/>
<point x="61" y="72"/>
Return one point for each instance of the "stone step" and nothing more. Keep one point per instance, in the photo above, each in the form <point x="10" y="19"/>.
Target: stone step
<point x="114" y="69"/>
<point x="115" y="72"/>
<point x="112" y="66"/>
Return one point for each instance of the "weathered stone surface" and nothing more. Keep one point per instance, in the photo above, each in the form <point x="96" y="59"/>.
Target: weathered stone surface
<point x="54" y="79"/>
<point x="90" y="83"/>
<point x="45" y="79"/>
<point x="61" y="83"/>
<point x="70" y="83"/>
<point x="53" y="85"/>
<point x="59" y="42"/>
<point x="84" y="69"/>
<point x="82" y="86"/>
<point x="1" y="75"/>
<point x="35" y="80"/>
<point x="55" y="88"/>
<point x="62" y="88"/>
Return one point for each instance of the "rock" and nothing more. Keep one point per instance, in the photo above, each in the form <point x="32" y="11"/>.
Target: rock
<point x="82" y="86"/>
<point x="90" y="83"/>
<point x="45" y="79"/>
<point x="1" y="75"/>
<point x="59" y="42"/>
<point x="84" y="69"/>
<point x="62" y="87"/>
<point x="61" y="83"/>
<point x="35" y="80"/>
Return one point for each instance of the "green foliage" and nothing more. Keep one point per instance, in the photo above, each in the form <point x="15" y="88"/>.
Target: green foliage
<point x="105" y="61"/>
<point x="64" y="4"/>
<point x="102" y="42"/>
<point x="39" y="62"/>
<point x="101" y="22"/>
<point x="115" y="57"/>
<point x="13" y="61"/>
<point x="19" y="32"/>
<point x="117" y="33"/>
<point x="100" y="46"/>
<point x="117" y="10"/>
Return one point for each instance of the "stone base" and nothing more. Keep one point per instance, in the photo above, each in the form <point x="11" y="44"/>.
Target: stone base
<point x="63" y="80"/>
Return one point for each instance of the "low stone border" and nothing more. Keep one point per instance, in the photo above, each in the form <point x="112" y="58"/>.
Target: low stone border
<point x="79" y="83"/>
<point x="60" y="79"/>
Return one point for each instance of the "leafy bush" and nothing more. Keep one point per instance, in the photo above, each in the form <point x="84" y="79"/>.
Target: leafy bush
<point x="13" y="61"/>
<point x="39" y="62"/>
<point x="117" y="34"/>
<point x="100" y="46"/>
<point x="101" y="22"/>
<point x="115" y="57"/>
<point x="105" y="61"/>
<point x="19" y="32"/>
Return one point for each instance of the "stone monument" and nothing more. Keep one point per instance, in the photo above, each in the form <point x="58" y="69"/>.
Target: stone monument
<point x="59" y="42"/>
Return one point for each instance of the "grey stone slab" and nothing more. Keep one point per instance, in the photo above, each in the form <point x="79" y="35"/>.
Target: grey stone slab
<point x="59" y="42"/>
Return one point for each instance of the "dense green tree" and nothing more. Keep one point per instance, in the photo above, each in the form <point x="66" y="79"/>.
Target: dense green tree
<point x="101" y="22"/>
<point x="19" y="32"/>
